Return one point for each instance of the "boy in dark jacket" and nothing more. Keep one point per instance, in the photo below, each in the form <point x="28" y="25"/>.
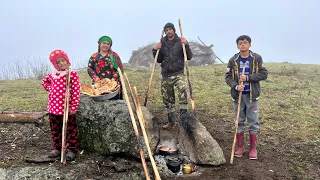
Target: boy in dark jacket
<point x="255" y="71"/>
<point x="172" y="64"/>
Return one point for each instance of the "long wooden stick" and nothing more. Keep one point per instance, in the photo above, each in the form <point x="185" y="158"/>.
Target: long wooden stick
<point x="141" y="120"/>
<point x="65" y="118"/>
<point x="236" y="122"/>
<point x="131" y="94"/>
<point x="153" y="68"/>
<point x="133" y="120"/>
<point x="187" y="70"/>
<point x="130" y="89"/>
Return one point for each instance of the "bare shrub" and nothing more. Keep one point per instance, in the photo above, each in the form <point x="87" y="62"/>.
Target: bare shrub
<point x="14" y="70"/>
<point x="4" y="74"/>
<point x="288" y="71"/>
<point x="19" y="70"/>
<point x="35" y="67"/>
<point x="40" y="70"/>
<point x="38" y="67"/>
<point x="25" y="68"/>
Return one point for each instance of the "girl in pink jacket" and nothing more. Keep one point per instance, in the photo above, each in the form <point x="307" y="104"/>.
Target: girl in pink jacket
<point x="55" y="84"/>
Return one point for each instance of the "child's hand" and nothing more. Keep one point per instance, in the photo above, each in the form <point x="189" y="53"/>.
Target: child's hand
<point x="72" y="112"/>
<point x="240" y="87"/>
<point x="243" y="78"/>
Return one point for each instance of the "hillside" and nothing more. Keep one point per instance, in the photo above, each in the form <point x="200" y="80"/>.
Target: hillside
<point x="288" y="144"/>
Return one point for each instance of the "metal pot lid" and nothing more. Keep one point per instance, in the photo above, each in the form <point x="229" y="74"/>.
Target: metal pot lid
<point x="166" y="148"/>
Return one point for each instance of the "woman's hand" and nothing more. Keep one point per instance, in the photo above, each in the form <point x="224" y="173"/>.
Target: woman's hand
<point x="95" y="79"/>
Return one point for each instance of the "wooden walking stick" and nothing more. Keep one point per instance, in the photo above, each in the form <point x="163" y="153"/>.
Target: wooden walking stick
<point x="187" y="70"/>
<point x="141" y="120"/>
<point x="65" y="118"/>
<point x="130" y="89"/>
<point x="131" y="92"/>
<point x="153" y="68"/>
<point x="236" y="121"/>
<point x="133" y="120"/>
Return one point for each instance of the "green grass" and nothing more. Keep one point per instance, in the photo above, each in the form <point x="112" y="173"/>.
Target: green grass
<point x="290" y="96"/>
<point x="289" y="103"/>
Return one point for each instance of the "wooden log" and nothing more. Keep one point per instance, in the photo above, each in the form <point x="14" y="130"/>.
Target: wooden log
<point x="21" y="117"/>
<point x="22" y="112"/>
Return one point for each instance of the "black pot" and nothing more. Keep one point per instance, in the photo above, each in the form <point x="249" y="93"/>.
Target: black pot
<point x="173" y="163"/>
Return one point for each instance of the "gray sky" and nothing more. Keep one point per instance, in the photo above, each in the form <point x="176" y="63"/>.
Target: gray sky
<point x="281" y="30"/>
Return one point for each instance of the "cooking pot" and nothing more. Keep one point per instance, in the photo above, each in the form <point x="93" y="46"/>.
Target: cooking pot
<point x="173" y="163"/>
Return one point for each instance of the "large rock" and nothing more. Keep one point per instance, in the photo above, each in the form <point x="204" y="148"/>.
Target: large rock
<point x="197" y="142"/>
<point x="106" y="127"/>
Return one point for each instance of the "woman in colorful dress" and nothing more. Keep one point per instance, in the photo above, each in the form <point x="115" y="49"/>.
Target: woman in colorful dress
<point x="104" y="64"/>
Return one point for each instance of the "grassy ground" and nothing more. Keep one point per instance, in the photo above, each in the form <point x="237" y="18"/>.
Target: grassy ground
<point x="289" y="107"/>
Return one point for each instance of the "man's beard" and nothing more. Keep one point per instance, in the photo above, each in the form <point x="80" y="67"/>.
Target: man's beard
<point x="170" y="35"/>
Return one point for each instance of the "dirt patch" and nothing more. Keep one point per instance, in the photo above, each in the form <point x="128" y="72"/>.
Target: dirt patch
<point x="279" y="158"/>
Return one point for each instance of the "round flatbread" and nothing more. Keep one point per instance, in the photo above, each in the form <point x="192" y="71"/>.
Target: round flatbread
<point x="87" y="89"/>
<point x="104" y="81"/>
<point x="112" y="85"/>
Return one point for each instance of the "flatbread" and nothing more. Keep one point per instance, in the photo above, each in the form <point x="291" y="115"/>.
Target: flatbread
<point x="103" y="86"/>
<point x="87" y="89"/>
<point x="102" y="82"/>
<point x="105" y="81"/>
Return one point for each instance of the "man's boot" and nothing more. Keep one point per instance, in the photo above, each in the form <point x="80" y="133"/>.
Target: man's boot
<point x="171" y="119"/>
<point x="182" y="111"/>
<point x="253" y="149"/>
<point x="240" y="145"/>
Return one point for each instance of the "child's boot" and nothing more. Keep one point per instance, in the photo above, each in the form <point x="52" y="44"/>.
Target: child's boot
<point x="70" y="156"/>
<point x="253" y="149"/>
<point x="54" y="153"/>
<point x="240" y="145"/>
